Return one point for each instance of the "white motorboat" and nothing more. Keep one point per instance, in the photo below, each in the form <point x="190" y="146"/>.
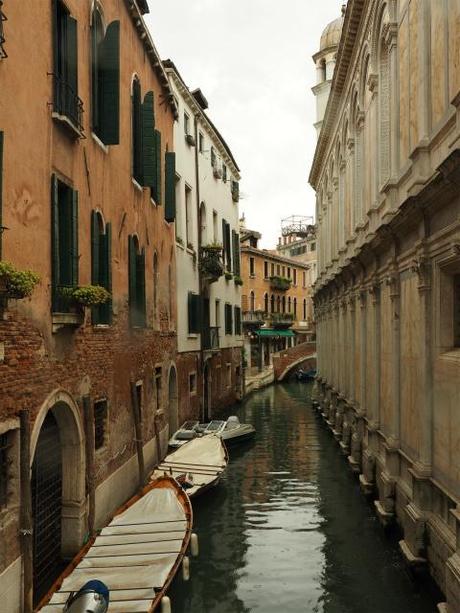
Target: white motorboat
<point x="188" y="431"/>
<point x="230" y="431"/>
<point x="235" y="432"/>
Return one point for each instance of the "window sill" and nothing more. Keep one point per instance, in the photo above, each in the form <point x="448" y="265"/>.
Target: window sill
<point x="137" y="185"/>
<point x="99" y="143"/>
<point x="61" y="320"/>
<point x="192" y="336"/>
<point x="68" y="124"/>
<point x="102" y="327"/>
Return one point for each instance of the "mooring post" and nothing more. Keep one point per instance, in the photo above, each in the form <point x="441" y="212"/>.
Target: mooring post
<point x="26" y="529"/>
<point x="88" y="410"/>
<point x="138" y="431"/>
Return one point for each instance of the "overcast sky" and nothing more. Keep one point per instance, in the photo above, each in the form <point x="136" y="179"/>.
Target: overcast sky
<point x="252" y="59"/>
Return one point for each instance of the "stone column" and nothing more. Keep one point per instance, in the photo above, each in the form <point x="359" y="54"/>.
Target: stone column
<point x="453" y="571"/>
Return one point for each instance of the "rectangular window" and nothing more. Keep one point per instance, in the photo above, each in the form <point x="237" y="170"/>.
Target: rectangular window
<point x="101" y="265"/>
<point x="236" y="253"/>
<point x="140" y="399"/>
<point x="237" y="320"/>
<point x="278" y="269"/>
<point x="4" y="468"/>
<point x="192" y="383"/>
<point x="224" y="173"/>
<point x="456" y="281"/>
<point x="215" y="227"/>
<point x="66" y="102"/>
<point x="313" y="247"/>
<point x="171" y="186"/>
<point x="137" y="302"/>
<point x="217" y="314"/>
<point x="186" y="124"/>
<point x="188" y="216"/>
<point x="252" y="267"/>
<point x="272" y="270"/>
<point x="64" y="240"/>
<point x="289" y="272"/>
<point x="295" y="276"/>
<point x="194" y="313"/>
<point x="100" y="423"/>
<point x="228" y="319"/>
<point x="157" y="387"/>
<point x="200" y="142"/>
<point x="227" y="245"/>
<point x="304" y="279"/>
<point x="265" y="270"/>
<point x="229" y="375"/>
<point x="283" y="271"/>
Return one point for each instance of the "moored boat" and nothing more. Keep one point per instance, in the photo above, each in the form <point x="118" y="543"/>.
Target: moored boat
<point x="136" y="555"/>
<point x="199" y="464"/>
<point x="230" y="431"/>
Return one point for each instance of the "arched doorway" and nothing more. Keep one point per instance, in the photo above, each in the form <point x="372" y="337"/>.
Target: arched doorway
<point x="206" y="392"/>
<point x="173" y="416"/>
<point x="58" y="488"/>
<point x="47" y="506"/>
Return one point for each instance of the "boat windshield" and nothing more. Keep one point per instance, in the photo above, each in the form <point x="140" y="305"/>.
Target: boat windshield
<point x="185" y="435"/>
<point x="189" y="425"/>
<point x="215" y="425"/>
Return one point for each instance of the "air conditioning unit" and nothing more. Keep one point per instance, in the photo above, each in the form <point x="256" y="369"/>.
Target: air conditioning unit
<point x="190" y="140"/>
<point x="218" y="172"/>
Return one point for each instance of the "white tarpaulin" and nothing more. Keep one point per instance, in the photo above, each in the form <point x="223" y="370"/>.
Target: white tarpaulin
<point x="203" y="458"/>
<point x="133" y="555"/>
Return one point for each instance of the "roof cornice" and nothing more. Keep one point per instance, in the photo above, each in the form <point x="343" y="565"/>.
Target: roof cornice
<point x="351" y="24"/>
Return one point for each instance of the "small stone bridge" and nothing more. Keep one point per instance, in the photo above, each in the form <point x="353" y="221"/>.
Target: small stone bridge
<point x="302" y="355"/>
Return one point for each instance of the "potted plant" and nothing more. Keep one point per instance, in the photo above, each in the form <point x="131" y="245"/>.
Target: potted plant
<point x="238" y="280"/>
<point x="228" y="276"/>
<point x="86" y="295"/>
<point x="211" y="265"/>
<point x="16" y="284"/>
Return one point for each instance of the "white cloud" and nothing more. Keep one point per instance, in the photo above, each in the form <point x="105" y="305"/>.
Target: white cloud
<point x="252" y="59"/>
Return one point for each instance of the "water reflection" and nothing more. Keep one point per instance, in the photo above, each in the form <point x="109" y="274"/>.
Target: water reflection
<point x="288" y="528"/>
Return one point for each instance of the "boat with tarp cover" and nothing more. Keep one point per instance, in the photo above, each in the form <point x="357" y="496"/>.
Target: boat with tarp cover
<point x="198" y="465"/>
<point x="136" y="555"/>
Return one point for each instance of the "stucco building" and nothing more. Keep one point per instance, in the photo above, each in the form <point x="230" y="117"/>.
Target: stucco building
<point x="208" y="259"/>
<point x="276" y="301"/>
<point x="86" y="198"/>
<point x="387" y="301"/>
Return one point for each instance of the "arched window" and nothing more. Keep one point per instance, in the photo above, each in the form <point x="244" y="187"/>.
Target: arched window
<point x="384" y="93"/>
<point x="278" y="304"/>
<point x="101" y="265"/>
<point x="266" y="303"/>
<point x="295" y="307"/>
<point x="272" y="303"/>
<point x="289" y="304"/>
<point x="136" y="115"/>
<point x="137" y="304"/>
<point x="105" y="79"/>
<point x="304" y="309"/>
<point x="252" y="302"/>
<point x="203" y="228"/>
<point x="283" y="302"/>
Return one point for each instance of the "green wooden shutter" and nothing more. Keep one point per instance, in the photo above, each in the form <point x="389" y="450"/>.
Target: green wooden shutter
<point x="140" y="289"/>
<point x="54" y="242"/>
<point x="95" y="248"/>
<point x="194" y="313"/>
<point x="170" y="189"/>
<point x="132" y="279"/>
<point x="1" y="191"/>
<point x="228" y="246"/>
<point x="72" y="54"/>
<point x="110" y="69"/>
<point x="191" y="322"/>
<point x="224" y="242"/>
<point x="237" y="255"/>
<point x="237" y="320"/>
<point x="107" y="308"/>
<point x="148" y="142"/>
<point x="136" y="112"/>
<point x="158" y="168"/>
<point x="74" y="248"/>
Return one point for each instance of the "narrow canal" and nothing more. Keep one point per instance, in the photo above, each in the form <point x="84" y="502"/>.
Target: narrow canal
<point x="288" y="529"/>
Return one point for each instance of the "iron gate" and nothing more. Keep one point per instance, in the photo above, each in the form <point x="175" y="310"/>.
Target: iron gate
<point x="47" y="506"/>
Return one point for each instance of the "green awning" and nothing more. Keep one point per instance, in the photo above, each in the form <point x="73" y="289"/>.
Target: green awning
<point x="271" y="333"/>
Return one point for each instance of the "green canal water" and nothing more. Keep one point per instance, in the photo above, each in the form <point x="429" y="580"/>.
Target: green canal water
<point x="288" y="529"/>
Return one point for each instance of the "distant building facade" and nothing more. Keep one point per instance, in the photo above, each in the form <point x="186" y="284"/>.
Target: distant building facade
<point x="86" y="199"/>
<point x="208" y="260"/>
<point x="387" y="300"/>
<point x="276" y="303"/>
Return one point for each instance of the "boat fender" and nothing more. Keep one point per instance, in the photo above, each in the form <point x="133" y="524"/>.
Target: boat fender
<point x="194" y="545"/>
<point x="165" y="605"/>
<point x="186" y="568"/>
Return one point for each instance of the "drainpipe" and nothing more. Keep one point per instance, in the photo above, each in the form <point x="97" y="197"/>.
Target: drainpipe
<point x="200" y="278"/>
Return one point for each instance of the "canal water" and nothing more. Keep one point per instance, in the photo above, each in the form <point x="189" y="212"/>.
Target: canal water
<point x="288" y="529"/>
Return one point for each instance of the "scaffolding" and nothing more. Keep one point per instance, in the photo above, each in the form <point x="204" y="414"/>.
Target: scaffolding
<point x="299" y="226"/>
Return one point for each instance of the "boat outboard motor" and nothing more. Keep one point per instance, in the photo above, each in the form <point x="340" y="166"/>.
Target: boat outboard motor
<point x="93" y="597"/>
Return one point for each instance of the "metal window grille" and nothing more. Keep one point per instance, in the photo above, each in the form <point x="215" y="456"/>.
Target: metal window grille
<point x="4" y="472"/>
<point x="100" y="423"/>
<point x="457" y="310"/>
<point x="3" y="53"/>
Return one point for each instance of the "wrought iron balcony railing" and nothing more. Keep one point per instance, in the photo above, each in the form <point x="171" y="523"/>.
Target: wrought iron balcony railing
<point x="67" y="103"/>
<point x="282" y="320"/>
<point x="254" y="317"/>
<point x="210" y="338"/>
<point x="280" y="283"/>
<point x="211" y="262"/>
<point x="3" y="53"/>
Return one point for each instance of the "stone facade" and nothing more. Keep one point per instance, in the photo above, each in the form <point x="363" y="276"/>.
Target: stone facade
<point x="51" y="361"/>
<point x="386" y="172"/>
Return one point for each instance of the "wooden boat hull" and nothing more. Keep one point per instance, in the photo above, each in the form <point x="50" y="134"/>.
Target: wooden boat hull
<point x="137" y="532"/>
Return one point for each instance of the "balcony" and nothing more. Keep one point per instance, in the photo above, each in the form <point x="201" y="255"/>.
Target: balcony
<point x="67" y="106"/>
<point x="254" y="318"/>
<point x="280" y="283"/>
<point x="211" y="263"/>
<point x="281" y="320"/>
<point x="210" y="338"/>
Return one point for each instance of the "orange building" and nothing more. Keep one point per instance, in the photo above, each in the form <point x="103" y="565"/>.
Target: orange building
<point x="276" y="304"/>
<point x="86" y="202"/>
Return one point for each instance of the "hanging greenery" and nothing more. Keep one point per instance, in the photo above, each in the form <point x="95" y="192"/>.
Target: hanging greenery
<point x="86" y="295"/>
<point x="238" y="280"/>
<point x="17" y="283"/>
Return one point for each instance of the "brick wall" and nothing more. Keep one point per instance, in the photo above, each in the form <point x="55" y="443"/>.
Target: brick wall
<point x="290" y="356"/>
